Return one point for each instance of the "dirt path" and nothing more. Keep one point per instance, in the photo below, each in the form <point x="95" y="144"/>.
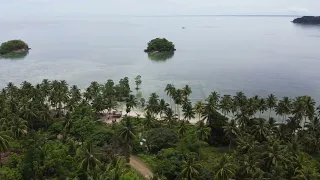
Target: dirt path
<point x="140" y="166"/>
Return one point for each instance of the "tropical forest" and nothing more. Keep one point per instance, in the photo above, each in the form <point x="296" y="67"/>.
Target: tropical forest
<point x="53" y="130"/>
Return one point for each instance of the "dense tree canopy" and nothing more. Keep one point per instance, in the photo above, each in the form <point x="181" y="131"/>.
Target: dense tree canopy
<point x="51" y="130"/>
<point x="160" y="45"/>
<point x="307" y="20"/>
<point x="13" y="46"/>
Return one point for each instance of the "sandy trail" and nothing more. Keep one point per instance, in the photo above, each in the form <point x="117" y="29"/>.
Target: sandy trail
<point x="141" y="167"/>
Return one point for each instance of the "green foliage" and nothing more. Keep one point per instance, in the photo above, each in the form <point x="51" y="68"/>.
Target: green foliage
<point x="169" y="163"/>
<point x="13" y="45"/>
<point x="138" y="81"/>
<point x="53" y="132"/>
<point x="131" y="175"/>
<point x="160" y="138"/>
<point x="150" y="159"/>
<point x="8" y="173"/>
<point x="82" y="129"/>
<point x="216" y="123"/>
<point x="160" y="45"/>
<point x="101" y="138"/>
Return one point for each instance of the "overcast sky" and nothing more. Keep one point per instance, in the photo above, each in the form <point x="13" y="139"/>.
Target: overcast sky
<point x="51" y="8"/>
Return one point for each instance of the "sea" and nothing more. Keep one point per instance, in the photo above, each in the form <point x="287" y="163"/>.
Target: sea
<point x="258" y="55"/>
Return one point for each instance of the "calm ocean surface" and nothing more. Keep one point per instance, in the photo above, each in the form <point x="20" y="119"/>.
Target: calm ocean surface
<point x="257" y="55"/>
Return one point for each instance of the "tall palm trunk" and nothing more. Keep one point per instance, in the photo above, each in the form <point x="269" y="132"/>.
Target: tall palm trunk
<point x="126" y="152"/>
<point x="269" y="112"/>
<point x="230" y="145"/>
<point x="178" y="112"/>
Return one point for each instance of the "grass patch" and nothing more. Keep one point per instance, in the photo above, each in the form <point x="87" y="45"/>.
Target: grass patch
<point x="132" y="174"/>
<point x="150" y="160"/>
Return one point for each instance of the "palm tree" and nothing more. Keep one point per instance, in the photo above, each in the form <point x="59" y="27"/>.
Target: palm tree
<point x="186" y="91"/>
<point x="242" y="120"/>
<point x="260" y="130"/>
<point x="225" y="104"/>
<point x="18" y="127"/>
<point x="89" y="161"/>
<point x="75" y="97"/>
<point x="231" y="131"/>
<point x="182" y="129"/>
<point x="314" y="125"/>
<point x="29" y="113"/>
<point x="275" y="156"/>
<point x="45" y="87"/>
<point x="132" y="101"/>
<point x="212" y="105"/>
<point x="153" y="103"/>
<point x="202" y="131"/>
<point x="169" y="90"/>
<point x="309" y="109"/>
<point x="240" y="99"/>
<point x="170" y="117"/>
<point x="279" y="109"/>
<point x="298" y="108"/>
<point x="199" y="108"/>
<point x="226" y="169"/>
<point x="148" y="121"/>
<point x="4" y="143"/>
<point x="127" y="134"/>
<point x="177" y="97"/>
<point x="287" y="106"/>
<point x="249" y="168"/>
<point x="45" y="114"/>
<point x="116" y="169"/>
<point x="262" y="106"/>
<point x="190" y="169"/>
<point x="162" y="107"/>
<point x="188" y="111"/>
<point x="26" y="89"/>
<point x="251" y="107"/>
<point x="271" y="102"/>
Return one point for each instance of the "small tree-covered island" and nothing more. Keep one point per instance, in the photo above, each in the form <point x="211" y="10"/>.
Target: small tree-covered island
<point x="13" y="47"/>
<point x="159" y="45"/>
<point x="315" y="20"/>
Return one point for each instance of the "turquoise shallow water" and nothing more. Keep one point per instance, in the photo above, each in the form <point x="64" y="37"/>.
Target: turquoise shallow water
<point x="257" y="55"/>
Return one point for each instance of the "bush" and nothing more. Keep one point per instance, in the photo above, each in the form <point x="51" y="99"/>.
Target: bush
<point x="160" y="45"/>
<point x="10" y="173"/>
<point x="82" y="129"/>
<point x="14" y="161"/>
<point x="160" y="138"/>
<point x="169" y="163"/>
<point x="13" y="45"/>
<point x="100" y="138"/>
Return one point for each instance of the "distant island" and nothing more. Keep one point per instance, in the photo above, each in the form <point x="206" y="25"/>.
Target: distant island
<point x="314" y="20"/>
<point x="160" y="45"/>
<point x="13" y="47"/>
